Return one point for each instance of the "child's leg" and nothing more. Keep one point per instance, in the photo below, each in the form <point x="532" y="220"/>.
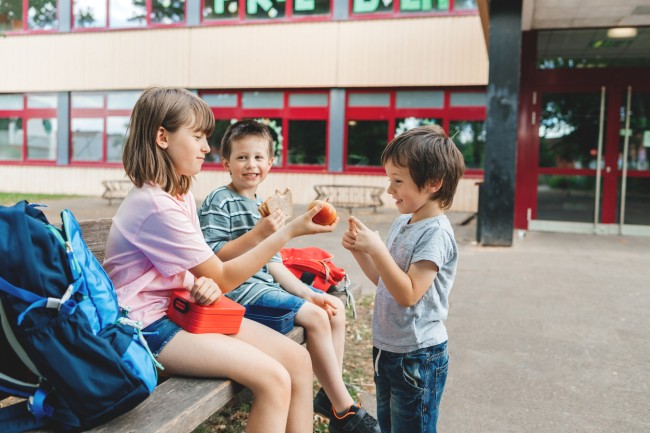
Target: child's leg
<point x="323" y="354"/>
<point x="258" y="358"/>
<point x="337" y="324"/>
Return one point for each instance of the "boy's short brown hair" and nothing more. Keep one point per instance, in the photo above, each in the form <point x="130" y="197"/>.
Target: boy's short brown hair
<point x="242" y="129"/>
<point x="430" y="157"/>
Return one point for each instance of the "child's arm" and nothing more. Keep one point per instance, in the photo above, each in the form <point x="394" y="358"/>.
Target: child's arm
<point x="263" y="229"/>
<point x="229" y="275"/>
<point x="289" y="282"/>
<point x="365" y="262"/>
<point x="406" y="287"/>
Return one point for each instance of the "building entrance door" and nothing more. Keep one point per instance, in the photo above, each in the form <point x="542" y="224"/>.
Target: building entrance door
<point x="592" y="171"/>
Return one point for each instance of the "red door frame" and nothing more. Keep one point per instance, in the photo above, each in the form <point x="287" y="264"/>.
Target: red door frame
<point x="536" y="82"/>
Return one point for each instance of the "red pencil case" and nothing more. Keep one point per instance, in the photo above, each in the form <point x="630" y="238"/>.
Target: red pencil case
<point x="221" y="317"/>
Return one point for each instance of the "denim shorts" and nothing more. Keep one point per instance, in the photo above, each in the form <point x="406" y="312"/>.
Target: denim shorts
<point x="159" y="333"/>
<point x="280" y="298"/>
<point x="409" y="387"/>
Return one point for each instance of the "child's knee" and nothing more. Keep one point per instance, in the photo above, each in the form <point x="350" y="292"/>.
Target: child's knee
<point x="274" y="379"/>
<point x="314" y="319"/>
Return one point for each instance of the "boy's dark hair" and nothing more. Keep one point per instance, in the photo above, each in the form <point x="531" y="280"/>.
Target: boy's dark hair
<point x="430" y="157"/>
<point x="245" y="128"/>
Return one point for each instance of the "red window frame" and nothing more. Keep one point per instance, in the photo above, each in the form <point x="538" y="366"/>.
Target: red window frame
<point x="106" y="27"/>
<point x="391" y="113"/>
<point x="286" y="113"/>
<point x="395" y="12"/>
<point x="241" y="16"/>
<point x="25" y="115"/>
<point x="25" y="22"/>
<point x="93" y="113"/>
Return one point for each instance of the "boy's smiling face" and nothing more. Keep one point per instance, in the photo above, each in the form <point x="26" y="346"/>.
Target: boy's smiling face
<point x="409" y="199"/>
<point x="249" y="164"/>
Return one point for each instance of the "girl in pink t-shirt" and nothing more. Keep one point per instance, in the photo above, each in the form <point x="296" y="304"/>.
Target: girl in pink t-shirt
<point x="155" y="246"/>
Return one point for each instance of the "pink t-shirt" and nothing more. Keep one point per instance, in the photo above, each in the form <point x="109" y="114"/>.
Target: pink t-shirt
<point x="155" y="238"/>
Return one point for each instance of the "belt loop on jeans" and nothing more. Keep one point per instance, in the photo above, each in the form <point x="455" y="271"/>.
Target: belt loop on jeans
<point x="377" y="362"/>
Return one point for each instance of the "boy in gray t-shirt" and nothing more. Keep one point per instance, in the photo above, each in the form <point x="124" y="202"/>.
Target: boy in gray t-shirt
<point x="414" y="273"/>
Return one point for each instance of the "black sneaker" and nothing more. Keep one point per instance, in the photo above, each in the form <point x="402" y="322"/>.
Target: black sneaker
<point x="356" y="420"/>
<point x="322" y="404"/>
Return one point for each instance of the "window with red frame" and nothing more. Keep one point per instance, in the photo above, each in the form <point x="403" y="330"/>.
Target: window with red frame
<point x="28" y="127"/>
<point x="383" y="7"/>
<point x="373" y="118"/>
<point x="217" y="10"/>
<point x="98" y="125"/>
<point x="28" y="15"/>
<point x="91" y="14"/>
<point x="297" y="121"/>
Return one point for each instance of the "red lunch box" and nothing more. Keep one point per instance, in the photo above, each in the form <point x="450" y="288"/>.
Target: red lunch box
<point x="221" y="317"/>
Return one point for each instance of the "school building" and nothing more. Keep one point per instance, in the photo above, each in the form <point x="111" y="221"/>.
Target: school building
<point x="335" y="80"/>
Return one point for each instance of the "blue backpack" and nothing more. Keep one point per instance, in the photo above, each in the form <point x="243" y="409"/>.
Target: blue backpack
<point x="67" y="349"/>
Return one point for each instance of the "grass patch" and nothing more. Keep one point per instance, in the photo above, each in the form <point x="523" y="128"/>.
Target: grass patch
<point x="357" y="374"/>
<point x="10" y="198"/>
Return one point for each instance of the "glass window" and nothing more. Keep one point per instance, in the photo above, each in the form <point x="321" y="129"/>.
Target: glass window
<point x="11" y="139"/>
<point x="371" y="6"/>
<point x="11" y="15"/>
<point x="403" y="125"/>
<point x="311" y="7"/>
<point x="167" y="11"/>
<point x="87" y="100"/>
<point x="215" y="139"/>
<point x="220" y="9"/>
<point x="87" y="136"/>
<point x="41" y="15"/>
<point x="468" y="99"/>
<point x="265" y="9"/>
<point x="116" y="128"/>
<point x="424" y="5"/>
<point x="127" y="13"/>
<point x="469" y="137"/>
<point x="421" y="99"/>
<point x="89" y="13"/>
<point x="41" y="139"/>
<point x="11" y="102"/>
<point x="366" y="141"/>
<point x="263" y="100"/>
<point x="275" y="125"/>
<point x="122" y="100"/>
<point x="307" y="141"/>
<point x="308" y="100"/>
<point x="369" y="100"/>
<point x="462" y="5"/>
<point x="220" y="99"/>
<point x="41" y="101"/>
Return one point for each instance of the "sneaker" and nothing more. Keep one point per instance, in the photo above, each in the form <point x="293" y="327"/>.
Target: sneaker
<point x="322" y="404"/>
<point x="356" y="420"/>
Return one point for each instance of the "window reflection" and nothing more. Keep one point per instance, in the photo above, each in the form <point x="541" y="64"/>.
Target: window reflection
<point x="87" y="135"/>
<point x="215" y="139"/>
<point x="220" y="9"/>
<point x="41" y="139"/>
<point x="41" y="15"/>
<point x="265" y="9"/>
<point x="311" y="7"/>
<point x="307" y="141"/>
<point x="11" y="138"/>
<point x="469" y="137"/>
<point x="116" y="128"/>
<point x="11" y="15"/>
<point x="127" y="13"/>
<point x="366" y="140"/>
<point x="89" y="13"/>
<point x="167" y="11"/>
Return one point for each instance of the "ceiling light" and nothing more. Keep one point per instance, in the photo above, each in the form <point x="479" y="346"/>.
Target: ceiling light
<point x="621" y="32"/>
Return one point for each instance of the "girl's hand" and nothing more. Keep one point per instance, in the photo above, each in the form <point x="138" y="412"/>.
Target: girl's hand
<point x="320" y="300"/>
<point x="365" y="240"/>
<point x="205" y="291"/>
<point x="303" y="225"/>
<point x="268" y="225"/>
<point x="349" y="236"/>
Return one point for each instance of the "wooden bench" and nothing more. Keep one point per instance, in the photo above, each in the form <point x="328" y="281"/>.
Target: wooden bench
<point x="179" y="404"/>
<point x="116" y="189"/>
<point x="351" y="196"/>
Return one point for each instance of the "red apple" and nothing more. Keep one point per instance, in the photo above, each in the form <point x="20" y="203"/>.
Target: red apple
<point x="326" y="216"/>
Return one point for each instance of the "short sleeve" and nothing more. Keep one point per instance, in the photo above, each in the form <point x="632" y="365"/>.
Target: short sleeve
<point x="171" y="242"/>
<point x="435" y="245"/>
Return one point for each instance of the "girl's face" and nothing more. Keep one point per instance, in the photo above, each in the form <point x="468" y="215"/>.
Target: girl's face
<point x="409" y="199"/>
<point x="249" y="164"/>
<point x="186" y="148"/>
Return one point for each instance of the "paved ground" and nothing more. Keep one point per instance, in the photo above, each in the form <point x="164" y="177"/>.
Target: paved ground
<point x="548" y="336"/>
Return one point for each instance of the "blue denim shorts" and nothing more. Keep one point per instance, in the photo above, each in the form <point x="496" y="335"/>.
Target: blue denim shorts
<point x="409" y="387"/>
<point x="160" y="333"/>
<point x="280" y="298"/>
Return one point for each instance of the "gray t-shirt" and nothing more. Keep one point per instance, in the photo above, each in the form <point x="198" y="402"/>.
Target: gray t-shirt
<point x="225" y="216"/>
<point x="401" y="330"/>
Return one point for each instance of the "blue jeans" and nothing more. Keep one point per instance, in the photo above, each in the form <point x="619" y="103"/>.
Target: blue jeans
<point x="409" y="388"/>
